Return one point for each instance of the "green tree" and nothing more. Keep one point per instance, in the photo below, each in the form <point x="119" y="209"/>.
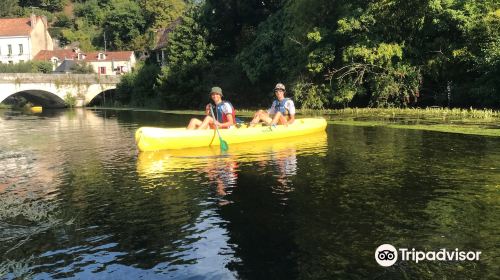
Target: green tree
<point x="91" y="11"/>
<point x="137" y="88"/>
<point x="262" y="58"/>
<point x="82" y="35"/>
<point x="9" y="8"/>
<point x="63" y="21"/>
<point x="123" y="23"/>
<point x="49" y="5"/>
<point x="329" y="53"/>
<point x="162" y="13"/>
<point x="232" y="24"/>
<point x="183" y="77"/>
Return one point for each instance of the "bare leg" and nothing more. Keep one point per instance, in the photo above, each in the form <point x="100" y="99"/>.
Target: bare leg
<point x="194" y="123"/>
<point x="256" y="118"/>
<point x="206" y="123"/>
<point x="260" y="115"/>
<point x="283" y="121"/>
<point x="276" y="118"/>
<point x="279" y="119"/>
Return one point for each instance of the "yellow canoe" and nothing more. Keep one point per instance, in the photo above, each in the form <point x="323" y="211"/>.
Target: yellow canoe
<point x="154" y="139"/>
<point x="36" y="109"/>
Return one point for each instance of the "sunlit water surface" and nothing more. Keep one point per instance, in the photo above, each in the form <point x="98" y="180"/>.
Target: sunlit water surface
<point x="311" y="207"/>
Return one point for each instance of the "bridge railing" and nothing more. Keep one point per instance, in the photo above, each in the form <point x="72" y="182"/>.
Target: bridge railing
<point x="20" y="78"/>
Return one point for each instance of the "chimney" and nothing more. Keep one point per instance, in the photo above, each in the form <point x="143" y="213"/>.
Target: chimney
<point x="33" y="20"/>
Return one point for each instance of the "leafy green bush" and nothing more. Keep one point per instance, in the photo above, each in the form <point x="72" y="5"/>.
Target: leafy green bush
<point x="82" y="68"/>
<point x="42" y="67"/>
<point x="311" y="96"/>
<point x="27" y="67"/>
<point x="136" y="88"/>
<point x="70" y="100"/>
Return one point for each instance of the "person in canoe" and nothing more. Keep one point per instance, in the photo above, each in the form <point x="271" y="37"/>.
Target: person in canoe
<point x="224" y="113"/>
<point x="282" y="110"/>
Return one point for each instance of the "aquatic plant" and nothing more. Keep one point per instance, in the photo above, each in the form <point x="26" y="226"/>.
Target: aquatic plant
<point x="420" y="113"/>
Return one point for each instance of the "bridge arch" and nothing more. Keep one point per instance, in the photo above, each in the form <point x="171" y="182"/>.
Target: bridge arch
<point x="46" y="86"/>
<point x="95" y="92"/>
<point x="103" y="97"/>
<point x="41" y="98"/>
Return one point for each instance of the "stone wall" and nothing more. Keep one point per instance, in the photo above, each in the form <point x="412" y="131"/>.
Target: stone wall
<point x="58" y="78"/>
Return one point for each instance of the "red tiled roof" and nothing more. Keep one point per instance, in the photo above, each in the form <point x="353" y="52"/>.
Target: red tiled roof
<point x="45" y="55"/>
<point x="110" y="56"/>
<point x="15" y="26"/>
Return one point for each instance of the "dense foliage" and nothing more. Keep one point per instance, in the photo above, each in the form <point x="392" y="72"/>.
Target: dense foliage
<point x="27" y="67"/>
<point x="380" y="53"/>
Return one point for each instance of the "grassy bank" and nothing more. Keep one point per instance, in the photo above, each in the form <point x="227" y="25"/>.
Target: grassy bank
<point x="464" y="121"/>
<point x="443" y="114"/>
<point x="427" y="113"/>
<point x="475" y="129"/>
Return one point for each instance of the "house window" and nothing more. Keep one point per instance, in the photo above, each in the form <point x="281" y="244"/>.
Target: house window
<point x="20" y="49"/>
<point x="102" y="70"/>
<point x="101" y="56"/>
<point x="9" y="48"/>
<point x="81" y="56"/>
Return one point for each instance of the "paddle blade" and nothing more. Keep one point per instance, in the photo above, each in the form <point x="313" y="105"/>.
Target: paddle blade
<point x="223" y="145"/>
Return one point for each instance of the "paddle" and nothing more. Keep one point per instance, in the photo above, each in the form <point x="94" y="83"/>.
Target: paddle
<point x="223" y="144"/>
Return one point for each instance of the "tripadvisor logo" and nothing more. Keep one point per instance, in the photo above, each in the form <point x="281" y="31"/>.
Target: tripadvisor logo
<point x="387" y="255"/>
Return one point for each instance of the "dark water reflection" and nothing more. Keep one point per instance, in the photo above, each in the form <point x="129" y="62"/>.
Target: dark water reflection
<point x="313" y="207"/>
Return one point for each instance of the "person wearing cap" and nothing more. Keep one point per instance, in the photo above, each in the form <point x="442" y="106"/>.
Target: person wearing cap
<point x="282" y="110"/>
<point x="224" y="113"/>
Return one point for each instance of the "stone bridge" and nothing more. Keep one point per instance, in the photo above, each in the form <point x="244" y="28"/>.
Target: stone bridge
<point x="50" y="90"/>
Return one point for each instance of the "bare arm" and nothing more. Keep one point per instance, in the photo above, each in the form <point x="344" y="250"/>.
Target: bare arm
<point x="229" y="122"/>
<point x="291" y="111"/>
<point x="207" y="109"/>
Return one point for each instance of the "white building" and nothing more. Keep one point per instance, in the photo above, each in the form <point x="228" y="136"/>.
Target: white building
<point x="22" y="38"/>
<point x="103" y="63"/>
<point x="111" y="63"/>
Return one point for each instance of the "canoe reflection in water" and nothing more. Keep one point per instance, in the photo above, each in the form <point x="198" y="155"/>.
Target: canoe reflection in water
<point x="286" y="164"/>
<point x="222" y="171"/>
<point x="221" y="168"/>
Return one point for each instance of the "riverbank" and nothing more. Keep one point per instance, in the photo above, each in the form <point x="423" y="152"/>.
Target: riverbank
<point x="439" y="113"/>
<point x="471" y="129"/>
<point x="463" y="121"/>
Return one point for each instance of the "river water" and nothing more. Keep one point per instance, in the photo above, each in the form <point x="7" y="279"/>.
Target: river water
<point x="89" y="206"/>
